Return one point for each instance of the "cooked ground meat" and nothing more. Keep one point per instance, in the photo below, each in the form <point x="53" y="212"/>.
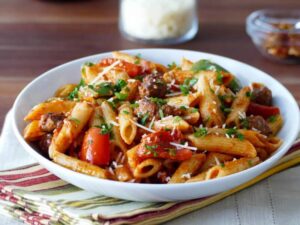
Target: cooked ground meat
<point x="51" y="121"/>
<point x="146" y="107"/>
<point x="171" y="110"/>
<point x="44" y="143"/>
<point x="259" y="123"/>
<point x="153" y="86"/>
<point x="262" y="95"/>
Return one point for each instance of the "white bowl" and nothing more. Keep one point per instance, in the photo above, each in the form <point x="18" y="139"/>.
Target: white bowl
<point x="45" y="85"/>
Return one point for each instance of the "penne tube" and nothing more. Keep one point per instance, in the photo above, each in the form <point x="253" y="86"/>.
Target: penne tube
<point x="171" y="122"/>
<point x="231" y="146"/>
<point x="32" y="131"/>
<point x="123" y="174"/>
<point x="178" y="75"/>
<point x="71" y="128"/>
<point x="147" y="168"/>
<point x="55" y="106"/>
<point x="214" y="158"/>
<point x="239" y="106"/>
<point x="65" y="90"/>
<point x="209" y="105"/>
<point x="90" y="72"/>
<point x="187" y="168"/>
<point x="97" y="118"/>
<point x="191" y="115"/>
<point x="132" y="157"/>
<point x="189" y="100"/>
<point x="275" y="123"/>
<point x="110" y="118"/>
<point x="127" y="128"/>
<point x="231" y="167"/>
<point x="78" y="165"/>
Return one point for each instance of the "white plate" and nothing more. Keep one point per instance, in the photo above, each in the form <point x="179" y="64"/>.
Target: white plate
<point x="45" y="85"/>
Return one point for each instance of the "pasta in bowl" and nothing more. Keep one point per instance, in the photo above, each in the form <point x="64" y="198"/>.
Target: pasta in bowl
<point x="135" y="120"/>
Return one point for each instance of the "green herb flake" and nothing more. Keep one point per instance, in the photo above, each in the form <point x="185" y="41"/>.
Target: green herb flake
<point x="74" y="93"/>
<point x="205" y="65"/>
<point x="134" y="105"/>
<point x="138" y="58"/>
<point x="200" y="132"/>
<point x="249" y="94"/>
<point x="272" y="119"/>
<point x="158" y="101"/>
<point x="144" y="118"/>
<point x="151" y="149"/>
<point x="234" y="132"/>
<point x="177" y="119"/>
<point x="161" y="113"/>
<point x="222" y="164"/>
<point x="89" y="64"/>
<point x="125" y="112"/>
<point x="75" y="120"/>
<point x="219" y="78"/>
<point x="172" y="65"/>
<point x="104" y="89"/>
<point x="183" y="107"/>
<point x="121" y="96"/>
<point x="194" y="110"/>
<point x="184" y="89"/>
<point x="119" y="85"/>
<point x="105" y="128"/>
<point x="234" y="86"/>
<point x="245" y="123"/>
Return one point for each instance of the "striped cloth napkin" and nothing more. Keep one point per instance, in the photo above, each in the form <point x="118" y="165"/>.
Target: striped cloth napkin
<point x="35" y="196"/>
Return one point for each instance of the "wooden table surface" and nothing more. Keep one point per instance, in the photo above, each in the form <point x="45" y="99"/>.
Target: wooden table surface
<point x="37" y="35"/>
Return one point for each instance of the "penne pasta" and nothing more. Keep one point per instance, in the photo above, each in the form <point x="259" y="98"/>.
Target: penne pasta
<point x="127" y="128"/>
<point x="231" y="146"/>
<point x="71" y="128"/>
<point x="147" y="168"/>
<point x="187" y="168"/>
<point x="171" y="122"/>
<point x="55" y="106"/>
<point x="32" y="131"/>
<point x="214" y="158"/>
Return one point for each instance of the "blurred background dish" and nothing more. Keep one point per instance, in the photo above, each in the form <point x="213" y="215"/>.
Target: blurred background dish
<point x="276" y="33"/>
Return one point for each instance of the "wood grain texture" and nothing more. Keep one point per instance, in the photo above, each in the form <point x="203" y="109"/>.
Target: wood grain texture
<point x="37" y="35"/>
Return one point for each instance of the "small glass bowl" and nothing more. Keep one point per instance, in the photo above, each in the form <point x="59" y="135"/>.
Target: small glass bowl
<point x="160" y="22"/>
<point x="276" y="33"/>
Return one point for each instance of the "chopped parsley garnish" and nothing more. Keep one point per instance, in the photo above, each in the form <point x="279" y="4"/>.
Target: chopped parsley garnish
<point x="222" y="164"/>
<point x="234" y="132"/>
<point x="75" y="120"/>
<point x="105" y="128"/>
<point x="205" y="64"/>
<point x="151" y="148"/>
<point x="138" y="59"/>
<point x="172" y="65"/>
<point x="207" y="119"/>
<point x="144" y="118"/>
<point x="272" y="119"/>
<point x="249" y="94"/>
<point x="245" y="123"/>
<point x="158" y="101"/>
<point x="89" y="64"/>
<point x="200" y="132"/>
<point x="183" y="107"/>
<point x="74" y="93"/>
<point x="225" y="109"/>
<point x="187" y="84"/>
<point x="177" y="119"/>
<point x="234" y="85"/>
<point x="161" y="113"/>
<point x="219" y="77"/>
<point x="194" y="110"/>
<point x="119" y="85"/>
<point x="134" y="105"/>
<point x="121" y="96"/>
<point x="125" y="112"/>
<point x="104" y="89"/>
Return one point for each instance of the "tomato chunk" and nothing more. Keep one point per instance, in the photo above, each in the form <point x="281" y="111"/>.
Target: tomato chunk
<point x="262" y="110"/>
<point x="157" y="145"/>
<point x="132" y="69"/>
<point x="95" y="147"/>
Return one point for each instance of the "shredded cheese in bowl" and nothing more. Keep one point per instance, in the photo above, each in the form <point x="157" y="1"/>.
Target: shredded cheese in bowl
<point x="158" y="19"/>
